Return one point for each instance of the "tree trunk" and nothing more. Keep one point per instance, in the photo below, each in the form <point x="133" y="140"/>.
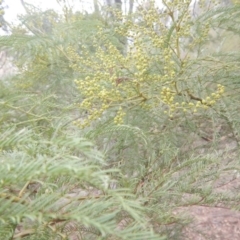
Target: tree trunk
<point x="109" y="2"/>
<point x="118" y="4"/>
<point x="96" y="6"/>
<point x="131" y="2"/>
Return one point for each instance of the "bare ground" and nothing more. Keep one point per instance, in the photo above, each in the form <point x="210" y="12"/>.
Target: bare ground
<point x="220" y="222"/>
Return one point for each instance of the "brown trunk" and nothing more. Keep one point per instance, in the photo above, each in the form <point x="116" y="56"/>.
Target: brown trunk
<point x="131" y="2"/>
<point x="109" y="2"/>
<point x="96" y="6"/>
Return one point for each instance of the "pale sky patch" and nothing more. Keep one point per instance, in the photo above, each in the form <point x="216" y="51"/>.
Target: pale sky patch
<point x="15" y="7"/>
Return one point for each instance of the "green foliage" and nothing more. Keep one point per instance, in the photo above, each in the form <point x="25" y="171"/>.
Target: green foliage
<point x="49" y="188"/>
<point x="157" y="70"/>
<point x="2" y="12"/>
<point x="156" y="97"/>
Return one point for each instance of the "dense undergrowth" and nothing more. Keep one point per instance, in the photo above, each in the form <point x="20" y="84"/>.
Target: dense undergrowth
<point x="113" y="121"/>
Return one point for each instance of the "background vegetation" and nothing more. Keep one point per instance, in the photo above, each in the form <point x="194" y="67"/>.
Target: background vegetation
<point x="116" y="118"/>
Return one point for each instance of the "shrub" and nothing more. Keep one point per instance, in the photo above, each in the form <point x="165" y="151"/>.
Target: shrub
<point x="156" y="92"/>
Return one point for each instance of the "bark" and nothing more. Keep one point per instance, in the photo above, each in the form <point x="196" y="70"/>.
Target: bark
<point x="109" y="2"/>
<point x="131" y="2"/>
<point x="96" y="6"/>
<point x="118" y="4"/>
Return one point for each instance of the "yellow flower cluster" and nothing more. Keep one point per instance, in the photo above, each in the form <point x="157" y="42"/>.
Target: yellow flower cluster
<point x="167" y="96"/>
<point x="194" y="104"/>
<point x="153" y="63"/>
<point x="119" y="117"/>
<point x="236" y="2"/>
<point x="211" y="100"/>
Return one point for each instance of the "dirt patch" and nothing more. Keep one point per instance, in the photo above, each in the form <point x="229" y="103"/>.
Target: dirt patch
<point x="211" y="223"/>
